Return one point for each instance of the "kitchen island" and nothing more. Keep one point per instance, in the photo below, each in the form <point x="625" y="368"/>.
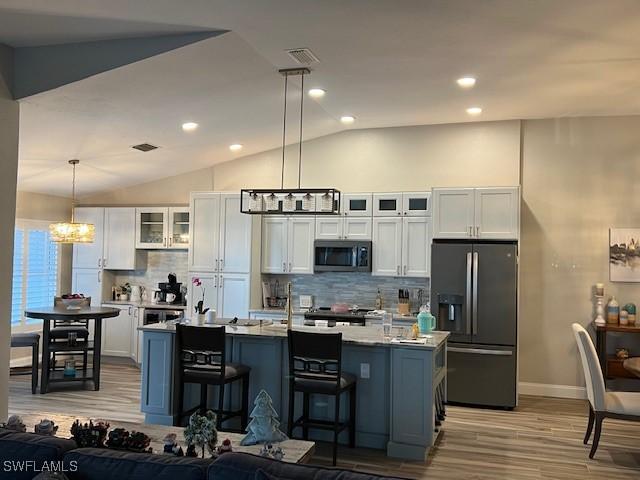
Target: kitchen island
<point x="396" y="381"/>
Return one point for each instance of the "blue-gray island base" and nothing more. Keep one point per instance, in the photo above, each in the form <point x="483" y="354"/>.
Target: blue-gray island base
<point x="395" y="402"/>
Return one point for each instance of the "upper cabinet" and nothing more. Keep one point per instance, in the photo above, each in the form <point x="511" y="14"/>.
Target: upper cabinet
<point x="287" y="244"/>
<point x="401" y="246"/>
<point x="114" y="245"/>
<point x="220" y="234"/>
<point x="119" y="242"/>
<point x="412" y="204"/>
<point x="162" y="227"/>
<point x="476" y="213"/>
<point x="89" y="255"/>
<point x="387" y="204"/>
<point x="357" y="204"/>
<point x="343" y="228"/>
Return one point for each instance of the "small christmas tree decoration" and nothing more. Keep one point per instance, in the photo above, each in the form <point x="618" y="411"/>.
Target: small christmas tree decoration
<point x="201" y="432"/>
<point x="46" y="427"/>
<point x="263" y="427"/>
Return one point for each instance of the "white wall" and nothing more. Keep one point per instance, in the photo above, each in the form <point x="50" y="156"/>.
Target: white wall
<point x="9" y="119"/>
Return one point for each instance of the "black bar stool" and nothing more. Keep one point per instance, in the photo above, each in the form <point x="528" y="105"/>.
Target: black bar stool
<point x="59" y="335"/>
<point x="31" y="340"/>
<point x="201" y="359"/>
<point x="315" y="367"/>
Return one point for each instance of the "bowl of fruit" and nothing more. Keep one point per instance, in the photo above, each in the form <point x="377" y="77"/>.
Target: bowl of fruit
<point x="74" y="301"/>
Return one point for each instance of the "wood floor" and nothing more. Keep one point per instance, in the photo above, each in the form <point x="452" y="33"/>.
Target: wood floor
<point x="541" y="439"/>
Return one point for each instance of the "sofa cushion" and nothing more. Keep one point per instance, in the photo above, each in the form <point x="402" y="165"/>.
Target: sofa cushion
<point x="24" y="455"/>
<point x="105" y="464"/>
<point x="51" y="476"/>
<point x="243" y="466"/>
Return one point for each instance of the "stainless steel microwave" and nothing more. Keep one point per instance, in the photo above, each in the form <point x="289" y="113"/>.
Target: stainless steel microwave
<point x="342" y="256"/>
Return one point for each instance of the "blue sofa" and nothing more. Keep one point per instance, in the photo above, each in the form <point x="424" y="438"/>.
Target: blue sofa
<point x="105" y="464"/>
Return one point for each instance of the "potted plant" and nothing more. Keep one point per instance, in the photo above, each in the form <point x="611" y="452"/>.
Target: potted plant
<point x="199" y="307"/>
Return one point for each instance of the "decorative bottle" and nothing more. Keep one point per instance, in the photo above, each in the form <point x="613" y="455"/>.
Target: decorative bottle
<point x="613" y="311"/>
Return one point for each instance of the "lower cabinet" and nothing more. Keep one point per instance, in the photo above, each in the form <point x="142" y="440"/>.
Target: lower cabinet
<point x="117" y="332"/>
<point x="226" y="293"/>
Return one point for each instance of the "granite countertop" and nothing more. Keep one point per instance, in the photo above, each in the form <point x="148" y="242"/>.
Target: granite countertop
<point x="353" y="334"/>
<point x="276" y="311"/>
<point x="396" y="317"/>
<point x="143" y="304"/>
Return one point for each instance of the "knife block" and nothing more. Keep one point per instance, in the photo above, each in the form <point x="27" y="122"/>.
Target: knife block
<point x="403" y="308"/>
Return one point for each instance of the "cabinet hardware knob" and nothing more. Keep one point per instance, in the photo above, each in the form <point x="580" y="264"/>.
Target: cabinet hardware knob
<point x="405" y="269"/>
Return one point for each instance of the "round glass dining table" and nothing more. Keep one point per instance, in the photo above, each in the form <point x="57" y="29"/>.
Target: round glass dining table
<point x="61" y="317"/>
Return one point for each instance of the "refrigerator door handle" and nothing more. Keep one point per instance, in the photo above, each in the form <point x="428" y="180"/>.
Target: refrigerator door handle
<point x="468" y="294"/>
<point x="480" y="351"/>
<point x="475" y="293"/>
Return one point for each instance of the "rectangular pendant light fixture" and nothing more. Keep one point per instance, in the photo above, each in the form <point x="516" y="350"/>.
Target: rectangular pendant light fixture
<point x="294" y="201"/>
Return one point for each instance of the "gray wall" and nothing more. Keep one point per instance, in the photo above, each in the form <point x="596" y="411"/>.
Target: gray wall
<point x="9" y="119"/>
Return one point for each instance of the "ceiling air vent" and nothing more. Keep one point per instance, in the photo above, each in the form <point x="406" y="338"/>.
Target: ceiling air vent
<point x="145" y="147"/>
<point x="303" y="56"/>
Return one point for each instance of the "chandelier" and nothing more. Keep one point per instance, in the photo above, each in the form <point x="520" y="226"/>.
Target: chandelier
<point x="72" y="232"/>
<point x="290" y="201"/>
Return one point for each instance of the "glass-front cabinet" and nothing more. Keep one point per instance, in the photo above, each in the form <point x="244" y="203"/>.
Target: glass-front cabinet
<point x="162" y="227"/>
<point x="178" y="227"/>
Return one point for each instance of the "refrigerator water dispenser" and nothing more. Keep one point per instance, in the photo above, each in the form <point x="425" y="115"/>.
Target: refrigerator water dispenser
<point x="450" y="312"/>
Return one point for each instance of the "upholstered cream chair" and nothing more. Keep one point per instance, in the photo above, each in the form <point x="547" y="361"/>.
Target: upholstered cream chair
<point x="602" y="404"/>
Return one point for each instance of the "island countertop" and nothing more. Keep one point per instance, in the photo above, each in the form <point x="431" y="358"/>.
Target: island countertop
<point x="369" y="335"/>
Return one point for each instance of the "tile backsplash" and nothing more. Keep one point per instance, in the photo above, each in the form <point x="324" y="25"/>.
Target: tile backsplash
<point x="159" y="264"/>
<point x="350" y="287"/>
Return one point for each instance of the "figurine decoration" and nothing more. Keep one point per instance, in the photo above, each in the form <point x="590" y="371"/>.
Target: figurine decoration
<point x="89" y="434"/>
<point x="225" y="447"/>
<point x="201" y="432"/>
<point x="15" y="423"/>
<point x="171" y="446"/>
<point x="46" y="427"/>
<point x="263" y="427"/>
<point x="191" y="451"/>
<point x="269" y="451"/>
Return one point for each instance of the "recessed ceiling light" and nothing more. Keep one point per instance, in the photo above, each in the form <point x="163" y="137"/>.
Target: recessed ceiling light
<point x="316" y="93"/>
<point x="466" y="82"/>
<point x="189" y="126"/>
<point x="235" y="147"/>
<point x="347" y="119"/>
<point x="474" y="110"/>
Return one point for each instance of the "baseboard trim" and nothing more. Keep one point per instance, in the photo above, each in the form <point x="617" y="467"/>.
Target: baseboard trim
<point x="549" y="390"/>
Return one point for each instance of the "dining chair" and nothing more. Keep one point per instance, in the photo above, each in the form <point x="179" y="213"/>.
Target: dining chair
<point x="602" y="404"/>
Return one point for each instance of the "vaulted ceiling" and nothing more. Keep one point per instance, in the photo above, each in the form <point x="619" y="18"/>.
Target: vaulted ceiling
<point x="388" y="63"/>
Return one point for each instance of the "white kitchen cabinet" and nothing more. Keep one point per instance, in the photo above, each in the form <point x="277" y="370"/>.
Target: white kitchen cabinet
<point x="476" y="213"/>
<point x="357" y="204"/>
<point x="89" y="255"/>
<point x="387" y="204"/>
<point x="119" y="239"/>
<point x="339" y="228"/>
<point x="204" y="226"/>
<point x="387" y="246"/>
<point x="453" y="212"/>
<point x="274" y="244"/>
<point x="287" y="244"/>
<point x="162" y="227"/>
<point x="301" y="234"/>
<point x="357" y="228"/>
<point x="88" y="281"/>
<point x="117" y="332"/>
<point x="497" y="213"/>
<point x="233" y="295"/>
<point x="226" y="293"/>
<point x="178" y="224"/>
<point x="416" y="204"/>
<point x="416" y="246"/>
<point x="235" y="236"/>
<point x="329" y="228"/>
<point x="151" y="227"/>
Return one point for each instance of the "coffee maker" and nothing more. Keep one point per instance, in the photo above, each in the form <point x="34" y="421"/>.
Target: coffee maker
<point x="171" y="289"/>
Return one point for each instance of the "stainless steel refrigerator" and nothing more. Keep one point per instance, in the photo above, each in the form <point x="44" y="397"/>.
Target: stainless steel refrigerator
<point x="474" y="296"/>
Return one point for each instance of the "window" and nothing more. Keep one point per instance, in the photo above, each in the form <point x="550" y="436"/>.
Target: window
<point x="35" y="270"/>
